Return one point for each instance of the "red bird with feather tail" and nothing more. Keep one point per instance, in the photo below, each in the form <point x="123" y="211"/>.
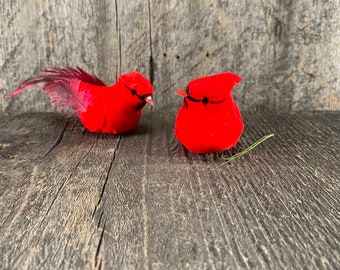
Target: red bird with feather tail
<point x="111" y="109"/>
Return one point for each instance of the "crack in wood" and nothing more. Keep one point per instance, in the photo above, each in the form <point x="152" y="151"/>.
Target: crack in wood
<point x="101" y="196"/>
<point x="57" y="141"/>
<point x="75" y="149"/>
<point x="100" y="264"/>
<point x="100" y="219"/>
<point x="52" y="203"/>
<point x="151" y="63"/>
<point x="86" y="154"/>
<point x="98" y="260"/>
<point x="119" y="62"/>
<point x="145" y="220"/>
<point x="66" y="179"/>
<point x="144" y="199"/>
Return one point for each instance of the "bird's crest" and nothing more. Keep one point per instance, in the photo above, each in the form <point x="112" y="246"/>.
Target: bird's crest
<point x="137" y="82"/>
<point x="213" y="89"/>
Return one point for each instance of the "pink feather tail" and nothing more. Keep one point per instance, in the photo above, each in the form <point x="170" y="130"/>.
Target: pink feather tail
<point x="62" y="85"/>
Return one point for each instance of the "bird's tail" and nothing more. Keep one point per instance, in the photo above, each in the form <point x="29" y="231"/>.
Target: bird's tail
<point x="62" y="85"/>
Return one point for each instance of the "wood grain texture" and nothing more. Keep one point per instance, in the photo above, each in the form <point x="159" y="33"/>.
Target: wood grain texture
<point x="286" y="51"/>
<point x="74" y="199"/>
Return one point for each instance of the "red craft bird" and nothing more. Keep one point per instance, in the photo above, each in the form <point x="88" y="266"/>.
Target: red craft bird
<point x="112" y="109"/>
<point x="209" y="119"/>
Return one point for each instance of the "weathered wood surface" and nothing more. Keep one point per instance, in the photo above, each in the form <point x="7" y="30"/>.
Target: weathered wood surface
<point x="73" y="199"/>
<point x="286" y="51"/>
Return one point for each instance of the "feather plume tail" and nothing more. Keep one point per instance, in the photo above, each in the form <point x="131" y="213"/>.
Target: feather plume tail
<point x="62" y="85"/>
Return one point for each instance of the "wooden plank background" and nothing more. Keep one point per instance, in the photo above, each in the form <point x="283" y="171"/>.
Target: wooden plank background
<point x="72" y="199"/>
<point x="286" y="51"/>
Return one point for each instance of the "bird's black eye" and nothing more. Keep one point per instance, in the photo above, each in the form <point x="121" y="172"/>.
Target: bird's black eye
<point x="205" y="100"/>
<point x="187" y="90"/>
<point x="133" y="92"/>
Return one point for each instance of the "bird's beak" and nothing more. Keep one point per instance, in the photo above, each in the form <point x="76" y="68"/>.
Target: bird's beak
<point x="149" y="100"/>
<point x="182" y="92"/>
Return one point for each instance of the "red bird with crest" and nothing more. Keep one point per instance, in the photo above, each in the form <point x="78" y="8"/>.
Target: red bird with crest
<point x="111" y="109"/>
<point x="209" y="119"/>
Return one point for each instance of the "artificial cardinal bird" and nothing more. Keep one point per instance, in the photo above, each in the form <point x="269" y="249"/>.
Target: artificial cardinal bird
<point x="209" y="119"/>
<point x="111" y="109"/>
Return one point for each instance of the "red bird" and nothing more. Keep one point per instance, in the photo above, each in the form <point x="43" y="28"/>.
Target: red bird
<point x="111" y="109"/>
<point x="209" y="119"/>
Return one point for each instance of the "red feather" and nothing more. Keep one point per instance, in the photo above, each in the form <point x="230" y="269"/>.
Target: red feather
<point x="62" y="85"/>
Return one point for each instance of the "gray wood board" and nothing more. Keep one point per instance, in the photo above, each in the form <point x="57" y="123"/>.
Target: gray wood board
<point x="287" y="52"/>
<point x="74" y="199"/>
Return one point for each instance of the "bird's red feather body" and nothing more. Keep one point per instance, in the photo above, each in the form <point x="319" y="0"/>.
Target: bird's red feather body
<point x="209" y="119"/>
<point x="112" y="109"/>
